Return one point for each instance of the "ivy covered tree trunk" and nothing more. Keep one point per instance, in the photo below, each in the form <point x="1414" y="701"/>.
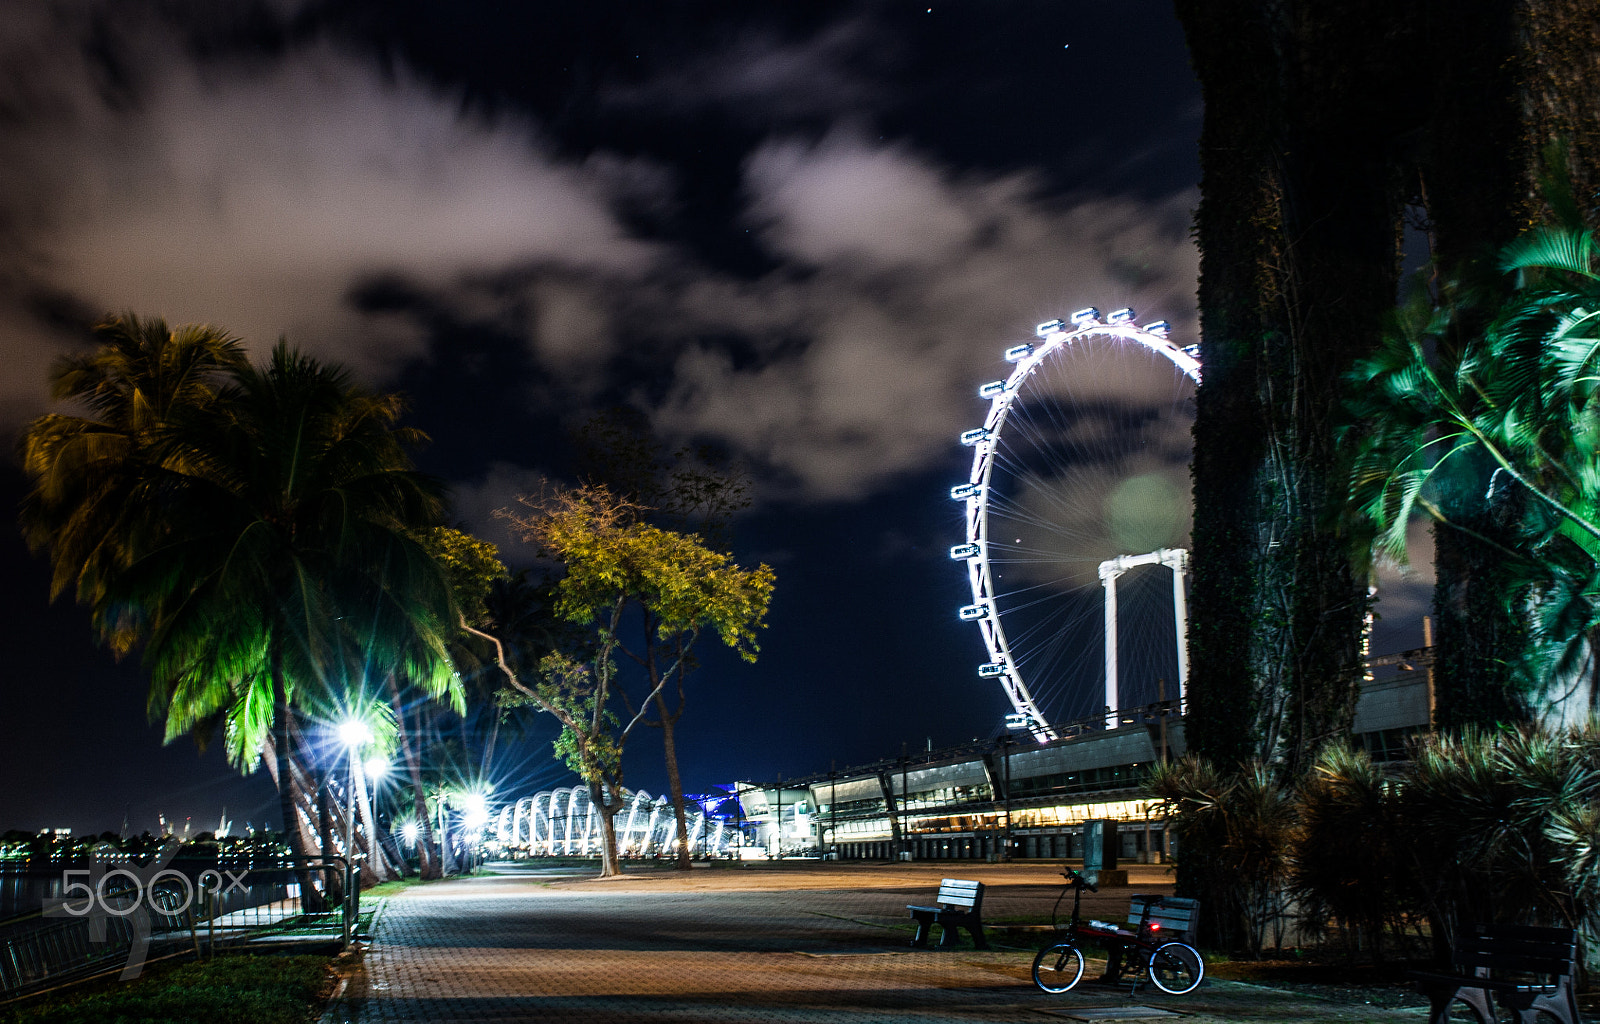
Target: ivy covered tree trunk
<point x="1298" y="230"/>
<point x="1235" y="223"/>
<point x="1506" y="82"/>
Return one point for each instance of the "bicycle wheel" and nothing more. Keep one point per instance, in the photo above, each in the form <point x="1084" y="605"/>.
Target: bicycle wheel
<point x="1057" y="968"/>
<point x="1176" y="968"/>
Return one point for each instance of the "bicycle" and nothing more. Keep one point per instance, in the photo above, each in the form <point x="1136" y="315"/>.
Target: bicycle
<point x="1174" y="967"/>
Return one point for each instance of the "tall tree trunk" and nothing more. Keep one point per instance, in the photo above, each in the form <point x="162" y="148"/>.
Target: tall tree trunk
<point x="428" y="866"/>
<point x="1342" y="202"/>
<point x="296" y="800"/>
<point x="1507" y="81"/>
<point x="610" y="863"/>
<point x="328" y="823"/>
<point x="1298" y="229"/>
<point x="669" y="746"/>
<point x="380" y="869"/>
<point x="1237" y="228"/>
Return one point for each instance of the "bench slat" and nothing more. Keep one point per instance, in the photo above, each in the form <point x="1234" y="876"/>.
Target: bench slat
<point x="1170" y="914"/>
<point x="960" y="904"/>
<point x="1527" y="968"/>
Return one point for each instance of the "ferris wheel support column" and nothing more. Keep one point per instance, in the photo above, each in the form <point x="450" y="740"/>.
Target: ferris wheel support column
<point x="1109" y="571"/>
<point x="1177" y="559"/>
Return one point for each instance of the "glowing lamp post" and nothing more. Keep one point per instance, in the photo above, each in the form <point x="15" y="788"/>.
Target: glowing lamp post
<point x="354" y="734"/>
<point x="474" y="818"/>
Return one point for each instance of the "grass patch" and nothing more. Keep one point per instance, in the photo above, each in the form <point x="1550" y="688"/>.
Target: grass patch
<point x="396" y="886"/>
<point x="257" y="989"/>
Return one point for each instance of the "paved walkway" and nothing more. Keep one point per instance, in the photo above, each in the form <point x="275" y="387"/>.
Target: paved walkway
<point x="815" y="945"/>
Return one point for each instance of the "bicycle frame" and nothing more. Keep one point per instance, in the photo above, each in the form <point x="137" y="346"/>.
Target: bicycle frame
<point x="1170" y="963"/>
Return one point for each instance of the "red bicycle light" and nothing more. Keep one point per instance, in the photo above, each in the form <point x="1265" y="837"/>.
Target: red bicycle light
<point x="1154" y="926"/>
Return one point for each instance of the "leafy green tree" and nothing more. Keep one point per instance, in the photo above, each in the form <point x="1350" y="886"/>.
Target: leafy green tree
<point x="1310" y="172"/>
<point x="689" y="491"/>
<point x="673" y="587"/>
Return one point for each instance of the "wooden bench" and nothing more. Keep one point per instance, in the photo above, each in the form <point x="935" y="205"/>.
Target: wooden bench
<point x="1151" y="919"/>
<point x="1525" y="969"/>
<point x="959" y="905"/>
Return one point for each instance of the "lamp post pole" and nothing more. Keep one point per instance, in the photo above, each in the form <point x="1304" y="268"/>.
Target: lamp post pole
<point x="350" y="809"/>
<point x="1005" y="833"/>
<point x="354" y="734"/>
<point x="833" y="809"/>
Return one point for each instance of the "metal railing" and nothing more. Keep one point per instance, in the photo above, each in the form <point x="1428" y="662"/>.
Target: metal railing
<point x="116" y="911"/>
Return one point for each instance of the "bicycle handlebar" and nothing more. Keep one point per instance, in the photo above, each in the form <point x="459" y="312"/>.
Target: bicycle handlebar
<point x="1078" y="880"/>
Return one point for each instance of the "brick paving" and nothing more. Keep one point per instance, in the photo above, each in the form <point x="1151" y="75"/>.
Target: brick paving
<point x="822" y="943"/>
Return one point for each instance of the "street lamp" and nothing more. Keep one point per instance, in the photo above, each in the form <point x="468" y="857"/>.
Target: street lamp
<point x="474" y="819"/>
<point x="354" y="734"/>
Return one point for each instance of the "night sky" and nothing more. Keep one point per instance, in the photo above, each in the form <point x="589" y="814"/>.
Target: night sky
<point x="800" y="231"/>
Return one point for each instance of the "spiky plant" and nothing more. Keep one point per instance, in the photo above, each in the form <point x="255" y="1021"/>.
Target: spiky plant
<point x="1235" y="831"/>
<point x="1348" y="862"/>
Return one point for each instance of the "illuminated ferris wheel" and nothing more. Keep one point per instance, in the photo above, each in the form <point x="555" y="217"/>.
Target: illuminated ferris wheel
<point x="1080" y="476"/>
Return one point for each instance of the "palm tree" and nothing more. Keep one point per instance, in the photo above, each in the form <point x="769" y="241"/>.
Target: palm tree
<point x="91" y="472"/>
<point x="286" y="558"/>
<point x="253" y="528"/>
<point x="1508" y="435"/>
